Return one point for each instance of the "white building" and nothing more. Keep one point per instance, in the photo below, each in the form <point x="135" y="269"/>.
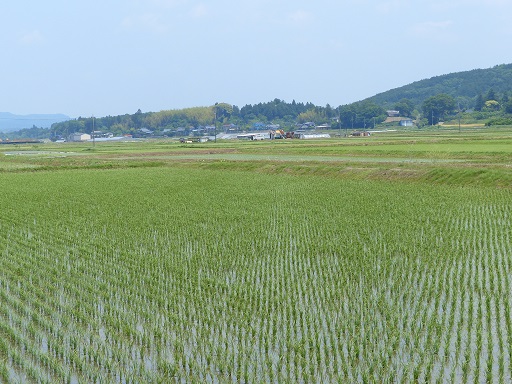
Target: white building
<point x="79" y="137"/>
<point x="254" y="136"/>
<point x="307" y="136"/>
<point x="406" y="123"/>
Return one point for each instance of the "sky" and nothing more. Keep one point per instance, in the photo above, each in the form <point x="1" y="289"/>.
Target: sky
<point x="112" y="57"/>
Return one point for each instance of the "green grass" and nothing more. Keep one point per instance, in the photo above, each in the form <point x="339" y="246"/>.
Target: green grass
<point x="420" y="154"/>
<point x="291" y="261"/>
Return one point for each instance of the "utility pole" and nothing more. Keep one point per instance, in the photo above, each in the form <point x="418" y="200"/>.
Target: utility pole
<point x="93" y="140"/>
<point x="215" y="121"/>
<point x="459" y="115"/>
<point x="339" y="119"/>
<point x="346" y="132"/>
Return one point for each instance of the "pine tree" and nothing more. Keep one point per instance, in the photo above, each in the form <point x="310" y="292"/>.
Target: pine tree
<point x="479" y="103"/>
<point x="504" y="98"/>
<point x="491" y="95"/>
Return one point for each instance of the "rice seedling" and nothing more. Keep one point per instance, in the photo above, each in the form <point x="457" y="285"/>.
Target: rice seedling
<point x="198" y="275"/>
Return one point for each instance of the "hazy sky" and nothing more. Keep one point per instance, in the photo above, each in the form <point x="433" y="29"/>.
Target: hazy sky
<point x="110" y="57"/>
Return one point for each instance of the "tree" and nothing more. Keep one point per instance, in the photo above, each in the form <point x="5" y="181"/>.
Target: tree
<point x="405" y="106"/>
<point x="361" y="114"/>
<point x="347" y="115"/>
<point x="310" y="115"/>
<point x="138" y="118"/>
<point x="508" y="106"/>
<point x="436" y="107"/>
<point x="222" y="111"/>
<point x="492" y="105"/>
<point x="329" y="112"/>
<point x="479" y="103"/>
<point x="504" y="98"/>
<point x="491" y="95"/>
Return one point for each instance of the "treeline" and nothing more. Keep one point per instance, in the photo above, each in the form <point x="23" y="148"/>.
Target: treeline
<point x="494" y="107"/>
<point x="27" y="133"/>
<point x="198" y="119"/>
<point x="493" y="101"/>
<point x="282" y="111"/>
<point x="293" y="114"/>
<point x="132" y="124"/>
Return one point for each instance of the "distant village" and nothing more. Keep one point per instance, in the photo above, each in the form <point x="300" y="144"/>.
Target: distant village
<point x="258" y="131"/>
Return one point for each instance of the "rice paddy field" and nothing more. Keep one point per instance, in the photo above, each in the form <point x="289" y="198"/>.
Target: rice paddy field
<point x="382" y="259"/>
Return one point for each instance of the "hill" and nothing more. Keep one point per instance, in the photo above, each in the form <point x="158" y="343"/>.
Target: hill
<point x="10" y="122"/>
<point x="464" y="86"/>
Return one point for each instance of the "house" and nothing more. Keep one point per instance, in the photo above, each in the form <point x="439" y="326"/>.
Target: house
<point x="102" y="135"/>
<point x="230" y="128"/>
<point x="258" y="126"/>
<point x="307" y="125"/>
<point x="145" y="131"/>
<point x="402" y="121"/>
<point x="393" y="113"/>
<point x="406" y="122"/>
<point x="77" y="136"/>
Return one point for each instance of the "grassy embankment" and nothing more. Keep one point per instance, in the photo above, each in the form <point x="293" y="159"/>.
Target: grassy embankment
<point x="474" y="156"/>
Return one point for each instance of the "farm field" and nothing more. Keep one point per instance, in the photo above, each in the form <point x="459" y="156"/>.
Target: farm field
<point x="379" y="260"/>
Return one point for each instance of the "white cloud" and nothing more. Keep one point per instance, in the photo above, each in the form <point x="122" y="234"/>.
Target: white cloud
<point x="31" y="38"/>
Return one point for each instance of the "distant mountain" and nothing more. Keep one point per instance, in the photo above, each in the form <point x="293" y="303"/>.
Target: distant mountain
<point x="464" y="86"/>
<point x="10" y="122"/>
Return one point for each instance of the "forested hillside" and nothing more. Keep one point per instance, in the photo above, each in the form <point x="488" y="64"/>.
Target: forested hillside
<point x="464" y="86"/>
